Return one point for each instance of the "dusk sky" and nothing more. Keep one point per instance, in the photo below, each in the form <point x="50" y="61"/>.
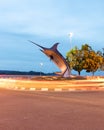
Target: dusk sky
<point x="47" y="22"/>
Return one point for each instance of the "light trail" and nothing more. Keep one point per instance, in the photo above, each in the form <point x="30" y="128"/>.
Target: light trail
<point x="58" y="85"/>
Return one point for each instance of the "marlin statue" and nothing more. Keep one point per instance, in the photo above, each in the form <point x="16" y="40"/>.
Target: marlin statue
<point x="57" y="58"/>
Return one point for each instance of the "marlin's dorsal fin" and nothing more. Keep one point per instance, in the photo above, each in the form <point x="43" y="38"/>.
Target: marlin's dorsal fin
<point x="54" y="47"/>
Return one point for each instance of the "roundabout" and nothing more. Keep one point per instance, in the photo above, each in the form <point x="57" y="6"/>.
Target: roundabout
<point x="51" y="83"/>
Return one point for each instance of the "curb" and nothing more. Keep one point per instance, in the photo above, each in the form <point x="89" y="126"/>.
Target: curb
<point x="56" y="89"/>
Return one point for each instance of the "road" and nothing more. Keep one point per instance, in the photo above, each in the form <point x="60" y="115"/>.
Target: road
<point x="26" y="110"/>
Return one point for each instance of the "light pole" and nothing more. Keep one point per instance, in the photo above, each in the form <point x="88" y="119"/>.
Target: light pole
<point x="41" y="64"/>
<point x="103" y="52"/>
<point x="70" y="36"/>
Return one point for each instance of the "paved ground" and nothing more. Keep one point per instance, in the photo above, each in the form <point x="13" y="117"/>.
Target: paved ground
<point x="26" y="110"/>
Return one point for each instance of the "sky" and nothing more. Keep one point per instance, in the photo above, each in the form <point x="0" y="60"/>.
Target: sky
<point x="47" y="22"/>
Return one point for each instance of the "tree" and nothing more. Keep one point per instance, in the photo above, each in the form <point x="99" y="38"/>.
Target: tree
<point x="85" y="59"/>
<point x="93" y="62"/>
<point x="75" y="60"/>
<point x="101" y="62"/>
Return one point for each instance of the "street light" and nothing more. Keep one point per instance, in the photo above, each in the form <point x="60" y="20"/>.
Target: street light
<point x="70" y="36"/>
<point x="41" y="64"/>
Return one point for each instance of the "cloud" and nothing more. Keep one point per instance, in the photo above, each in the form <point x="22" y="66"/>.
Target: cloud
<point x="49" y="18"/>
<point x="47" y="22"/>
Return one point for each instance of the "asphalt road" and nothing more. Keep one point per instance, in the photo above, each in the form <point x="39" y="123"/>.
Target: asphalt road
<point x="25" y="110"/>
